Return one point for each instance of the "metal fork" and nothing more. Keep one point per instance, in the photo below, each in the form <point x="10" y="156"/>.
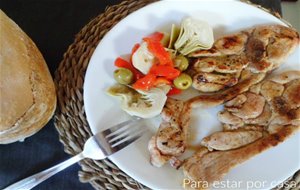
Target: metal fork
<point x="97" y="147"/>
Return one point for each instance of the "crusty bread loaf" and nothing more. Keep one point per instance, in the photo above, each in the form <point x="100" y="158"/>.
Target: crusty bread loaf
<point x="27" y="96"/>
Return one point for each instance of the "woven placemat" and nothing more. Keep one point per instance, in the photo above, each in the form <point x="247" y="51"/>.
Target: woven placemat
<point x="70" y="120"/>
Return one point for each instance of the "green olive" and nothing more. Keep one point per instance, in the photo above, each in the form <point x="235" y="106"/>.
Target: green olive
<point x="181" y="63"/>
<point x="183" y="81"/>
<point x="123" y="76"/>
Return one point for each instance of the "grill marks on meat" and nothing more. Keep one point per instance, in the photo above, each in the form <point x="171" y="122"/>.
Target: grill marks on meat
<point x="156" y="157"/>
<point x="260" y="50"/>
<point x="255" y="49"/>
<point x="292" y="93"/>
<point x="253" y="121"/>
<point x="252" y="108"/>
<point x="232" y="41"/>
<point x="227" y="140"/>
<point x="213" y="166"/>
<point x="263" y="119"/>
<point x="171" y="138"/>
<point x="270" y="89"/>
<point x="268" y="103"/>
<point x="245" y="136"/>
<point x="211" y="82"/>
<point x="228" y="45"/>
<point x="248" y="79"/>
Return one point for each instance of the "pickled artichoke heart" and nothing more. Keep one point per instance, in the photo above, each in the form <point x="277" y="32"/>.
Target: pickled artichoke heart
<point x="172" y="52"/>
<point x="175" y="31"/>
<point x="194" y="35"/>
<point x="142" y="59"/>
<point x="165" y="40"/>
<point x="144" y="104"/>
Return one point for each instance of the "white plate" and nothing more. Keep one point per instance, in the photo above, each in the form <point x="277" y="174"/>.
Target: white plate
<point x="272" y="166"/>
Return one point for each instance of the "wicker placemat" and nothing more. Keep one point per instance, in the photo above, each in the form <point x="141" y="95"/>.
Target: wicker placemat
<point x="70" y="120"/>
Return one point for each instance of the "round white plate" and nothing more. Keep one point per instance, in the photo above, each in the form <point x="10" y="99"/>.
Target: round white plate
<point x="263" y="171"/>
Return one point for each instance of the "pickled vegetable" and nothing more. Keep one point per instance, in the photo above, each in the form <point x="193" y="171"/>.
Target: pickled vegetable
<point x="144" y="104"/>
<point x="181" y="63"/>
<point x="123" y="76"/>
<point x="165" y="40"/>
<point x="174" y="35"/>
<point x="194" y="35"/>
<point x="183" y="82"/>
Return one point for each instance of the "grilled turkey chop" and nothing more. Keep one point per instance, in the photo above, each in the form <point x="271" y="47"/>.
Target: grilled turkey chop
<point x="233" y="65"/>
<point x="260" y="49"/>
<point x="253" y="122"/>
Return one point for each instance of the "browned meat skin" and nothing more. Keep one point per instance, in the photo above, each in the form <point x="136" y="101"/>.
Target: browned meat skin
<point x="214" y="99"/>
<point x="228" y="45"/>
<point x="271" y="103"/>
<point x="252" y="108"/>
<point x="224" y="64"/>
<point x="260" y="49"/>
<point x="263" y="119"/>
<point x="156" y="157"/>
<point x="236" y="102"/>
<point x="255" y="49"/>
<point x="213" y="166"/>
<point x="227" y="118"/>
<point x="286" y="107"/>
<point x="285" y="77"/>
<point x="212" y="52"/>
<point x="271" y="89"/>
<point x="268" y="46"/>
<point x="253" y="52"/>
<point x="283" y="113"/>
<point x="292" y="93"/>
<point x="172" y="134"/>
<point x="210" y="82"/>
<point x="227" y="140"/>
<point x="171" y="139"/>
<point x="233" y="44"/>
<point x="244" y="137"/>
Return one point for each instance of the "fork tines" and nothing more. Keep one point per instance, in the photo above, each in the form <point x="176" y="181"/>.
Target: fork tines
<point x="126" y="135"/>
<point x="120" y="127"/>
<point x="115" y="138"/>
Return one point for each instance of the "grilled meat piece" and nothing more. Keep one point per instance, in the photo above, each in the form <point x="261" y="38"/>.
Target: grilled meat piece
<point x="263" y="119"/>
<point x="212" y="82"/>
<point x="213" y="166"/>
<point x="251" y="108"/>
<point x="228" y="45"/>
<point x="260" y="49"/>
<point x="248" y="79"/>
<point x="171" y="137"/>
<point x="246" y="136"/>
<point x="156" y="157"/>
<point x="227" y="140"/>
<point x="228" y="118"/>
<point x="271" y="103"/>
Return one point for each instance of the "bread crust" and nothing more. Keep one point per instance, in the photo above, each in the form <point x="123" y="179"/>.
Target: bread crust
<point x="28" y="98"/>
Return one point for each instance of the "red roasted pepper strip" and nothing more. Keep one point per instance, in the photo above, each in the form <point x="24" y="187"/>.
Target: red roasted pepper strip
<point x="166" y="71"/>
<point x="145" y="83"/>
<point x="174" y="91"/>
<point x="158" y="50"/>
<point x="156" y="36"/>
<point x="119" y="62"/>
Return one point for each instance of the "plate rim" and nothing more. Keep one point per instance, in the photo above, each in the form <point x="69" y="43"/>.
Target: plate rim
<point x="132" y="15"/>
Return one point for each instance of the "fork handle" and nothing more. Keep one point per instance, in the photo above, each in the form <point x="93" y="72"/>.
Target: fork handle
<point x="36" y="179"/>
